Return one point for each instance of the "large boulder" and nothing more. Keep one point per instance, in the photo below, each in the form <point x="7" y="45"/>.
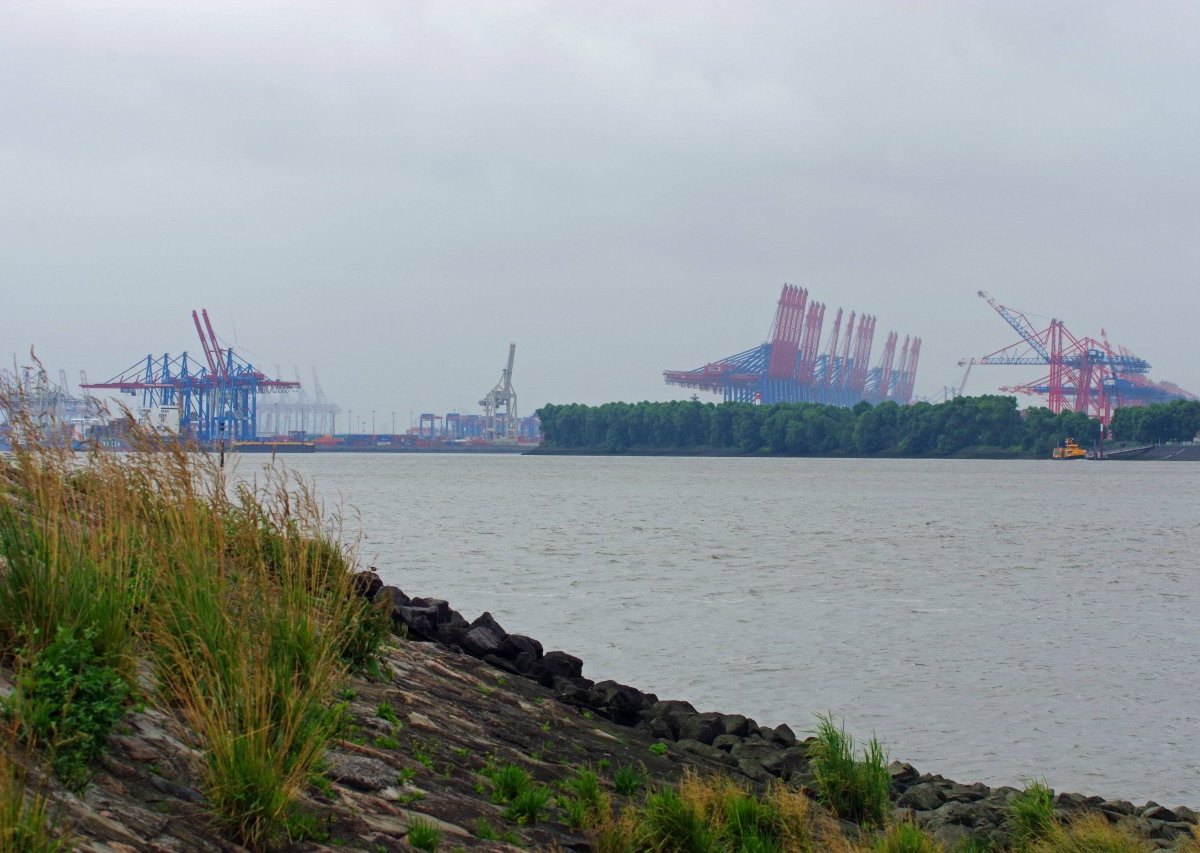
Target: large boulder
<point x="481" y="641"/>
<point x="515" y="645"/>
<point x="621" y="703"/>
<point x="367" y="584"/>
<point x="555" y="664"/>
<point x="487" y="621"/>
<point x="672" y="713"/>
<point x="704" y="728"/>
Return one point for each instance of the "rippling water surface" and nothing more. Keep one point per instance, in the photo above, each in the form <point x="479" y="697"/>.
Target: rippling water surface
<point x="990" y="621"/>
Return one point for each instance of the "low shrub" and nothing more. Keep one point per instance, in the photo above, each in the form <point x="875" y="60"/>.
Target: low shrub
<point x="69" y="699"/>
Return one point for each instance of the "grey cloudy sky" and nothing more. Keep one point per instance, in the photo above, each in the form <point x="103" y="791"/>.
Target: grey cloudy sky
<point x="393" y="191"/>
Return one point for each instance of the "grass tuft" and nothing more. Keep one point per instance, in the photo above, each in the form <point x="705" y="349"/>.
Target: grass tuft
<point x="1030" y="817"/>
<point x="423" y="835"/>
<point x="856" y="789"/>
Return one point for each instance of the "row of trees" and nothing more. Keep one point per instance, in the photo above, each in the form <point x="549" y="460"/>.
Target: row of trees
<point x="988" y="423"/>
<point x="1178" y="420"/>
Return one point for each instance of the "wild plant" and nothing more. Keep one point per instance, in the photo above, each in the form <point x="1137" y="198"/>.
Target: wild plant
<point x="628" y="779"/>
<point x="507" y="783"/>
<point x="1092" y="833"/>
<point x="26" y="823"/>
<point x="69" y="699"/>
<point x="669" y="822"/>
<point x="906" y="837"/>
<point x="589" y="804"/>
<point x="856" y="789"/>
<point x="1030" y="817"/>
<point x="423" y="835"/>
<point x="527" y="806"/>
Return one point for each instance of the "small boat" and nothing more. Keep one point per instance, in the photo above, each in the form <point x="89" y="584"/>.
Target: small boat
<point x="1069" y="450"/>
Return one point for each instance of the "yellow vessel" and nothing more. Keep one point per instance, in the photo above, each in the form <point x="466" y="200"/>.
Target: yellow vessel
<point x="1069" y="450"/>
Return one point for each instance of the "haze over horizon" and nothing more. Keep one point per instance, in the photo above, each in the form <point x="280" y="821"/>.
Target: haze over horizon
<point x="391" y="193"/>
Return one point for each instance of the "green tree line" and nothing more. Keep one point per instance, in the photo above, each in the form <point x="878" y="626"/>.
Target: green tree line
<point x="985" y="424"/>
<point x="1178" y="420"/>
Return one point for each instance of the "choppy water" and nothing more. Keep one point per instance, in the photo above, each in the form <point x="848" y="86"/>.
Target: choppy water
<point x="990" y="621"/>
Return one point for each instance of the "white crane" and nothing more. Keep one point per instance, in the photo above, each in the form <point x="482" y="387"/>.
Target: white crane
<point x="504" y="396"/>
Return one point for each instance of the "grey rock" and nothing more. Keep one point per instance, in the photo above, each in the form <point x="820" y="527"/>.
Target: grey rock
<point x="486" y="620"/>
<point x="726" y="742"/>
<point x="966" y="793"/>
<point x="753" y="770"/>
<point x="924" y="796"/>
<point x="515" y="645"/>
<point x="736" y="724"/>
<point x="367" y="584"/>
<point x="361" y="772"/>
<point x="902" y="773"/>
<point x="705" y="750"/>
<point x="781" y="734"/>
<point x="480" y="641"/>
<point x="702" y="727"/>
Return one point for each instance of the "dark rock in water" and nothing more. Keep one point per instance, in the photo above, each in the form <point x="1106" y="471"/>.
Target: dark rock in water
<point x="421" y="622"/>
<point x="736" y="724"/>
<point x="555" y="664"/>
<point x="1117" y="807"/>
<point x="367" y="584"/>
<point x="659" y="728"/>
<point x="966" y="793"/>
<point x="487" y="621"/>
<point x="525" y="662"/>
<point x="451" y="634"/>
<point x="925" y="797"/>
<point x="726" y="742"/>
<point x="621" y="703"/>
<point x="781" y="735"/>
<point x="515" y="645"/>
<point x="1154" y="811"/>
<point x="480" y="641"/>
<point x="902" y="774"/>
<point x="573" y="690"/>
<point x="695" y="747"/>
<point x="702" y="727"/>
<point x="672" y="712"/>
<point x="395" y="595"/>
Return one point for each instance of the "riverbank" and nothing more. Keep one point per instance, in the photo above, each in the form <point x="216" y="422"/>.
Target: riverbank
<point x="459" y="700"/>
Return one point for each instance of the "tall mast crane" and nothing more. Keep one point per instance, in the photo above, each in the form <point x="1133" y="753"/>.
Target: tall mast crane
<point x="502" y="395"/>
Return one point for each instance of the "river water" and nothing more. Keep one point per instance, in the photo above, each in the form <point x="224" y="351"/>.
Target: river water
<point x="989" y="621"/>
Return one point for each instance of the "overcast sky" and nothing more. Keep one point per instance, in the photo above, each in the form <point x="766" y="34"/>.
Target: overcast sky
<point x="391" y="192"/>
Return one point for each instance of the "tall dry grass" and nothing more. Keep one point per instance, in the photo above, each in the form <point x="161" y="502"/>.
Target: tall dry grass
<point x="241" y="595"/>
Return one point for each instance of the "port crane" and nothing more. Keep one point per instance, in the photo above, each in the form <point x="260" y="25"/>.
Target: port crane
<point x="501" y="396"/>
<point x="1086" y="374"/>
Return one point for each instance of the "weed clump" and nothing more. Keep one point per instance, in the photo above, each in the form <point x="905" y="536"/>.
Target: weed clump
<point x="1030" y="817"/>
<point x="69" y="698"/>
<point x="241" y="597"/>
<point x="856" y="789"/>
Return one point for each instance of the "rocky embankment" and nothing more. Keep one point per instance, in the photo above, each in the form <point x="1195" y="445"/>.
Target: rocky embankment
<point x="464" y="697"/>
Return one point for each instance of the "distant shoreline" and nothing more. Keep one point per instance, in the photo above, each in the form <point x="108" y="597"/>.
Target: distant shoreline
<point x="1163" y="453"/>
